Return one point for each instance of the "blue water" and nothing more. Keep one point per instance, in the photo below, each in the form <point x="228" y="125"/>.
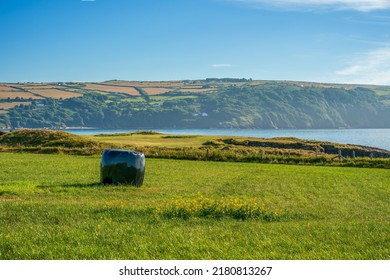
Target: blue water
<point x="379" y="138"/>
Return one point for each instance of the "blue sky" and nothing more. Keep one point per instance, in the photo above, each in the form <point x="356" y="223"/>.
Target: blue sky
<point x="337" y="41"/>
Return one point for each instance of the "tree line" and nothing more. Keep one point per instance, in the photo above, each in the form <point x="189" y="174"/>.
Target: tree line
<point x="246" y="106"/>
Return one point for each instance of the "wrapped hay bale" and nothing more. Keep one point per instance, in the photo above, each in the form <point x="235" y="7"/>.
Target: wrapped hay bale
<point x="122" y="167"/>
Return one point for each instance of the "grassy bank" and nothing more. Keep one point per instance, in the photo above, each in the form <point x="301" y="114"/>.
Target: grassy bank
<point x="53" y="207"/>
<point x="280" y="150"/>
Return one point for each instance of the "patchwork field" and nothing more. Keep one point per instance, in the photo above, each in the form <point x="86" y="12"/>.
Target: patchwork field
<point x="5" y="106"/>
<point x="156" y="90"/>
<point x="37" y="86"/>
<point x="5" y="88"/>
<point x="197" y="90"/>
<point x="169" y="84"/>
<point x="208" y="103"/>
<point x="128" y="90"/>
<point x="53" y="207"/>
<point x="16" y="94"/>
<point x="55" y="93"/>
<point x="63" y="90"/>
<point x="8" y="105"/>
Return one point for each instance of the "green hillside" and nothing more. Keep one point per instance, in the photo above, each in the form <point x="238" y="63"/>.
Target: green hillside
<point x="210" y="103"/>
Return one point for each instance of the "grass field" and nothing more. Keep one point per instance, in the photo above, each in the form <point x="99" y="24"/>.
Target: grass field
<point x="53" y="207"/>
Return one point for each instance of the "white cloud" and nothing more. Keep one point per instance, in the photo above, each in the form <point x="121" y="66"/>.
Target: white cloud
<point x="359" y="5"/>
<point x="221" y="65"/>
<point x="372" y="67"/>
<point x="378" y="20"/>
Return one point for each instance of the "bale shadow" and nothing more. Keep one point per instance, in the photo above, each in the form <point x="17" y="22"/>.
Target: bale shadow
<point x="77" y="185"/>
<point x="94" y="185"/>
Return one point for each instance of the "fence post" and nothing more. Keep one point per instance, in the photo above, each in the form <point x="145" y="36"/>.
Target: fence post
<point x="339" y="156"/>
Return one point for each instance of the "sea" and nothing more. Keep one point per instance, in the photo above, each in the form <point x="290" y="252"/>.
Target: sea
<point x="379" y="138"/>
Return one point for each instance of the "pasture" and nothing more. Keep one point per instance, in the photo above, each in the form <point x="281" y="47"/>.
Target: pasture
<point x="53" y="207"/>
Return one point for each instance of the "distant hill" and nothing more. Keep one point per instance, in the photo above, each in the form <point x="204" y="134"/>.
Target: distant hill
<point x="210" y="103"/>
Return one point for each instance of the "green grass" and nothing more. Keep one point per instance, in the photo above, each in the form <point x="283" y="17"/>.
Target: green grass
<point x="53" y="207"/>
